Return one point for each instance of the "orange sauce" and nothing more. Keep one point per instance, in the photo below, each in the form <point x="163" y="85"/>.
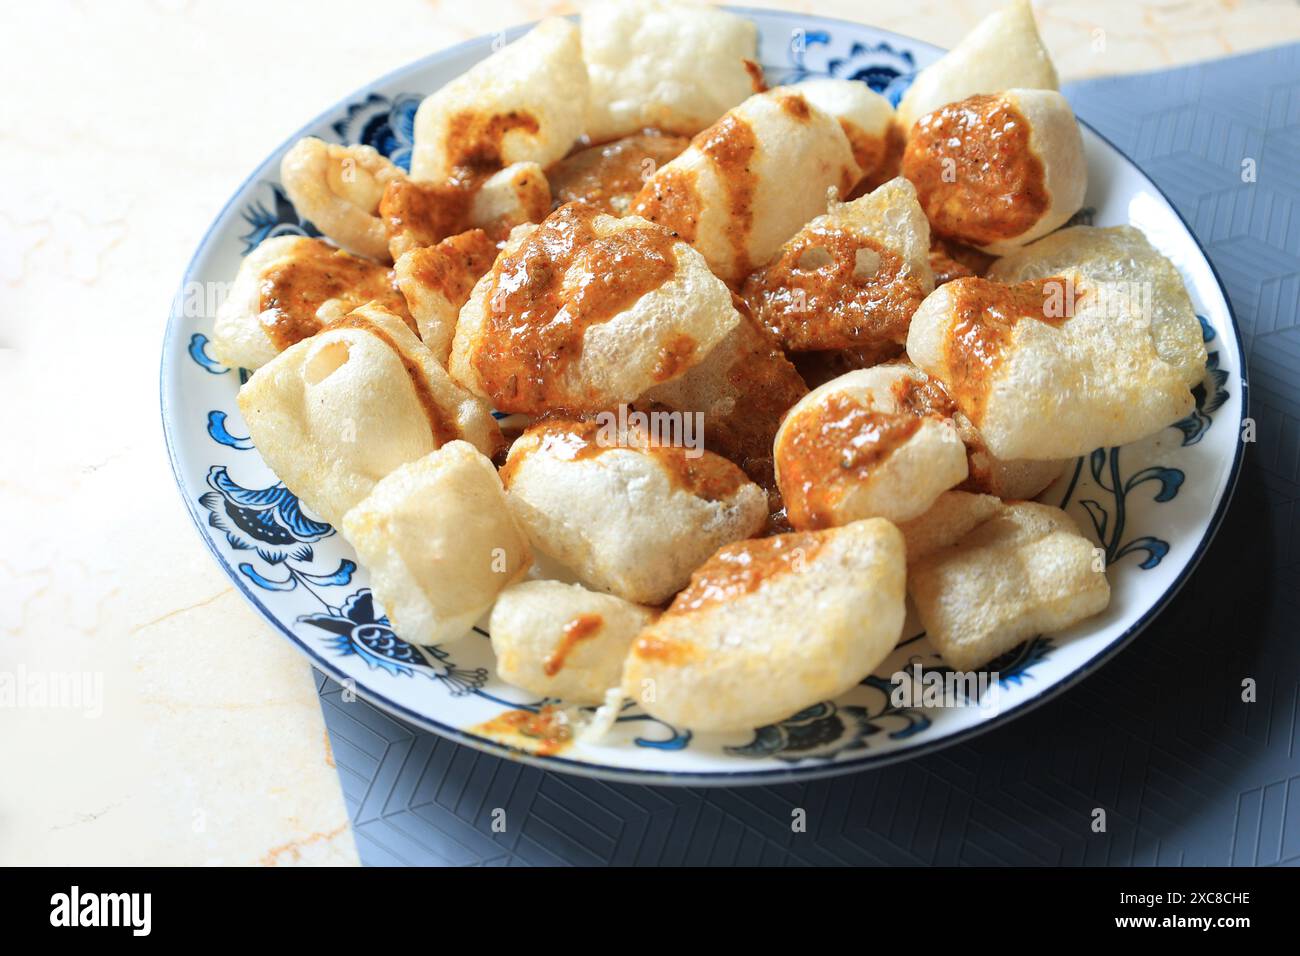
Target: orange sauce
<point x="836" y="442"/>
<point x="996" y="188"/>
<point x="568" y="439"/>
<point x="648" y="647"/>
<point x="923" y="396"/>
<point x="730" y="143"/>
<point x="581" y="628"/>
<point x="544" y="732"/>
<point x="674" y="358"/>
<point x="951" y="260"/>
<point x="986" y="315"/>
<point x="293" y="291"/>
<point x="419" y="214"/>
<point x="453" y="265"/>
<point x="475" y="138"/>
<point x="610" y="176"/>
<point x="707" y="476"/>
<point x="877" y="156"/>
<point x="536" y="321"/>
<point x="672" y="199"/>
<point x="741" y="568"/>
<point x="796" y="106"/>
<point x="833" y="289"/>
<point x="766" y="385"/>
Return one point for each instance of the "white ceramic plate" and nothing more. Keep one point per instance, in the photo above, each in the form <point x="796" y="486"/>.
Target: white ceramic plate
<point x="1153" y="506"/>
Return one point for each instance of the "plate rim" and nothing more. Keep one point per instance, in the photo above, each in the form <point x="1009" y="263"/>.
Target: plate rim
<point x="867" y="760"/>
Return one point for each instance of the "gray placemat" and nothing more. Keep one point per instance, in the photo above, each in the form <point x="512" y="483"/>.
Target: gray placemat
<point x="1159" y="737"/>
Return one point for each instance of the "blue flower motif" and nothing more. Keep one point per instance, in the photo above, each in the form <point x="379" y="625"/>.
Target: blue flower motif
<point x="887" y="71"/>
<point x="822" y="730"/>
<point x="387" y="125"/>
<point x="277" y="219"/>
<point x="1210" y="394"/>
<point x="358" y="631"/>
<point x="1013" y="666"/>
<point x="267" y="520"/>
<point x="825" y="730"/>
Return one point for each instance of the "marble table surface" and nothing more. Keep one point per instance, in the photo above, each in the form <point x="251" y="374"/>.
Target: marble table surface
<point x="199" y="738"/>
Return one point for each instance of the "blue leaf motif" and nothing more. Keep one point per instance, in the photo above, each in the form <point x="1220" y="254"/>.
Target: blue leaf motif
<point x="677" y="739"/>
<point x="1193" y="427"/>
<point x="1098" y="515"/>
<point x="1013" y="666"/>
<point x="1208" y="399"/>
<point x="1170" y="479"/>
<point x="266" y="583"/>
<point x="1097" y="461"/>
<point x="218" y="433"/>
<point x="1155" y="550"/>
<point x="198" y="350"/>
<point x="887" y="71"/>
<point x="1218" y="377"/>
<point x="1110" y="521"/>
<point x="337" y="578"/>
<point x="277" y="219"/>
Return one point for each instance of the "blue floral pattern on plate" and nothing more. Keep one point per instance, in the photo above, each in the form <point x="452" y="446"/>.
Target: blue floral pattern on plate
<point x="271" y="217"/>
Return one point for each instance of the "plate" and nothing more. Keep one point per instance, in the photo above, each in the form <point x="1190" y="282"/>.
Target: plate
<point x="1152" y="507"/>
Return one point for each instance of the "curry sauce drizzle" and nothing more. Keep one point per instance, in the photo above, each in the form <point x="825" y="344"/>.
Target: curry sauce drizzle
<point x="534" y="325"/>
<point x="432" y="211"/>
<point x="291" y="292"/>
<point x="834" y="304"/>
<point x="475" y="139"/>
<point x="454" y="265"/>
<point x="879" y="157"/>
<point x="429" y="212"/>
<point x="998" y="188"/>
<point x="730" y="143"/>
<point x="742" y="567"/>
<point x="841" y="437"/>
<point x="610" y="175"/>
<point x="985" y="316"/>
<point x="709" y="476"/>
<point x="547" y="730"/>
<point x="672" y="197"/>
<point x="581" y="628"/>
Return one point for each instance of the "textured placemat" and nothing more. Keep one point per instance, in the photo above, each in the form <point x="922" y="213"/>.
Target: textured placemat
<point x="1159" y="738"/>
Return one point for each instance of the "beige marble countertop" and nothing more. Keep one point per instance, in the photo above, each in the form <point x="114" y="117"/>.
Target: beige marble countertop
<point x="199" y="738"/>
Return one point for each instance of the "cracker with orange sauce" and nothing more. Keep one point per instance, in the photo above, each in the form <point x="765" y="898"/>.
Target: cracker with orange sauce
<point x="337" y="412"/>
<point x="769" y="627"/>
